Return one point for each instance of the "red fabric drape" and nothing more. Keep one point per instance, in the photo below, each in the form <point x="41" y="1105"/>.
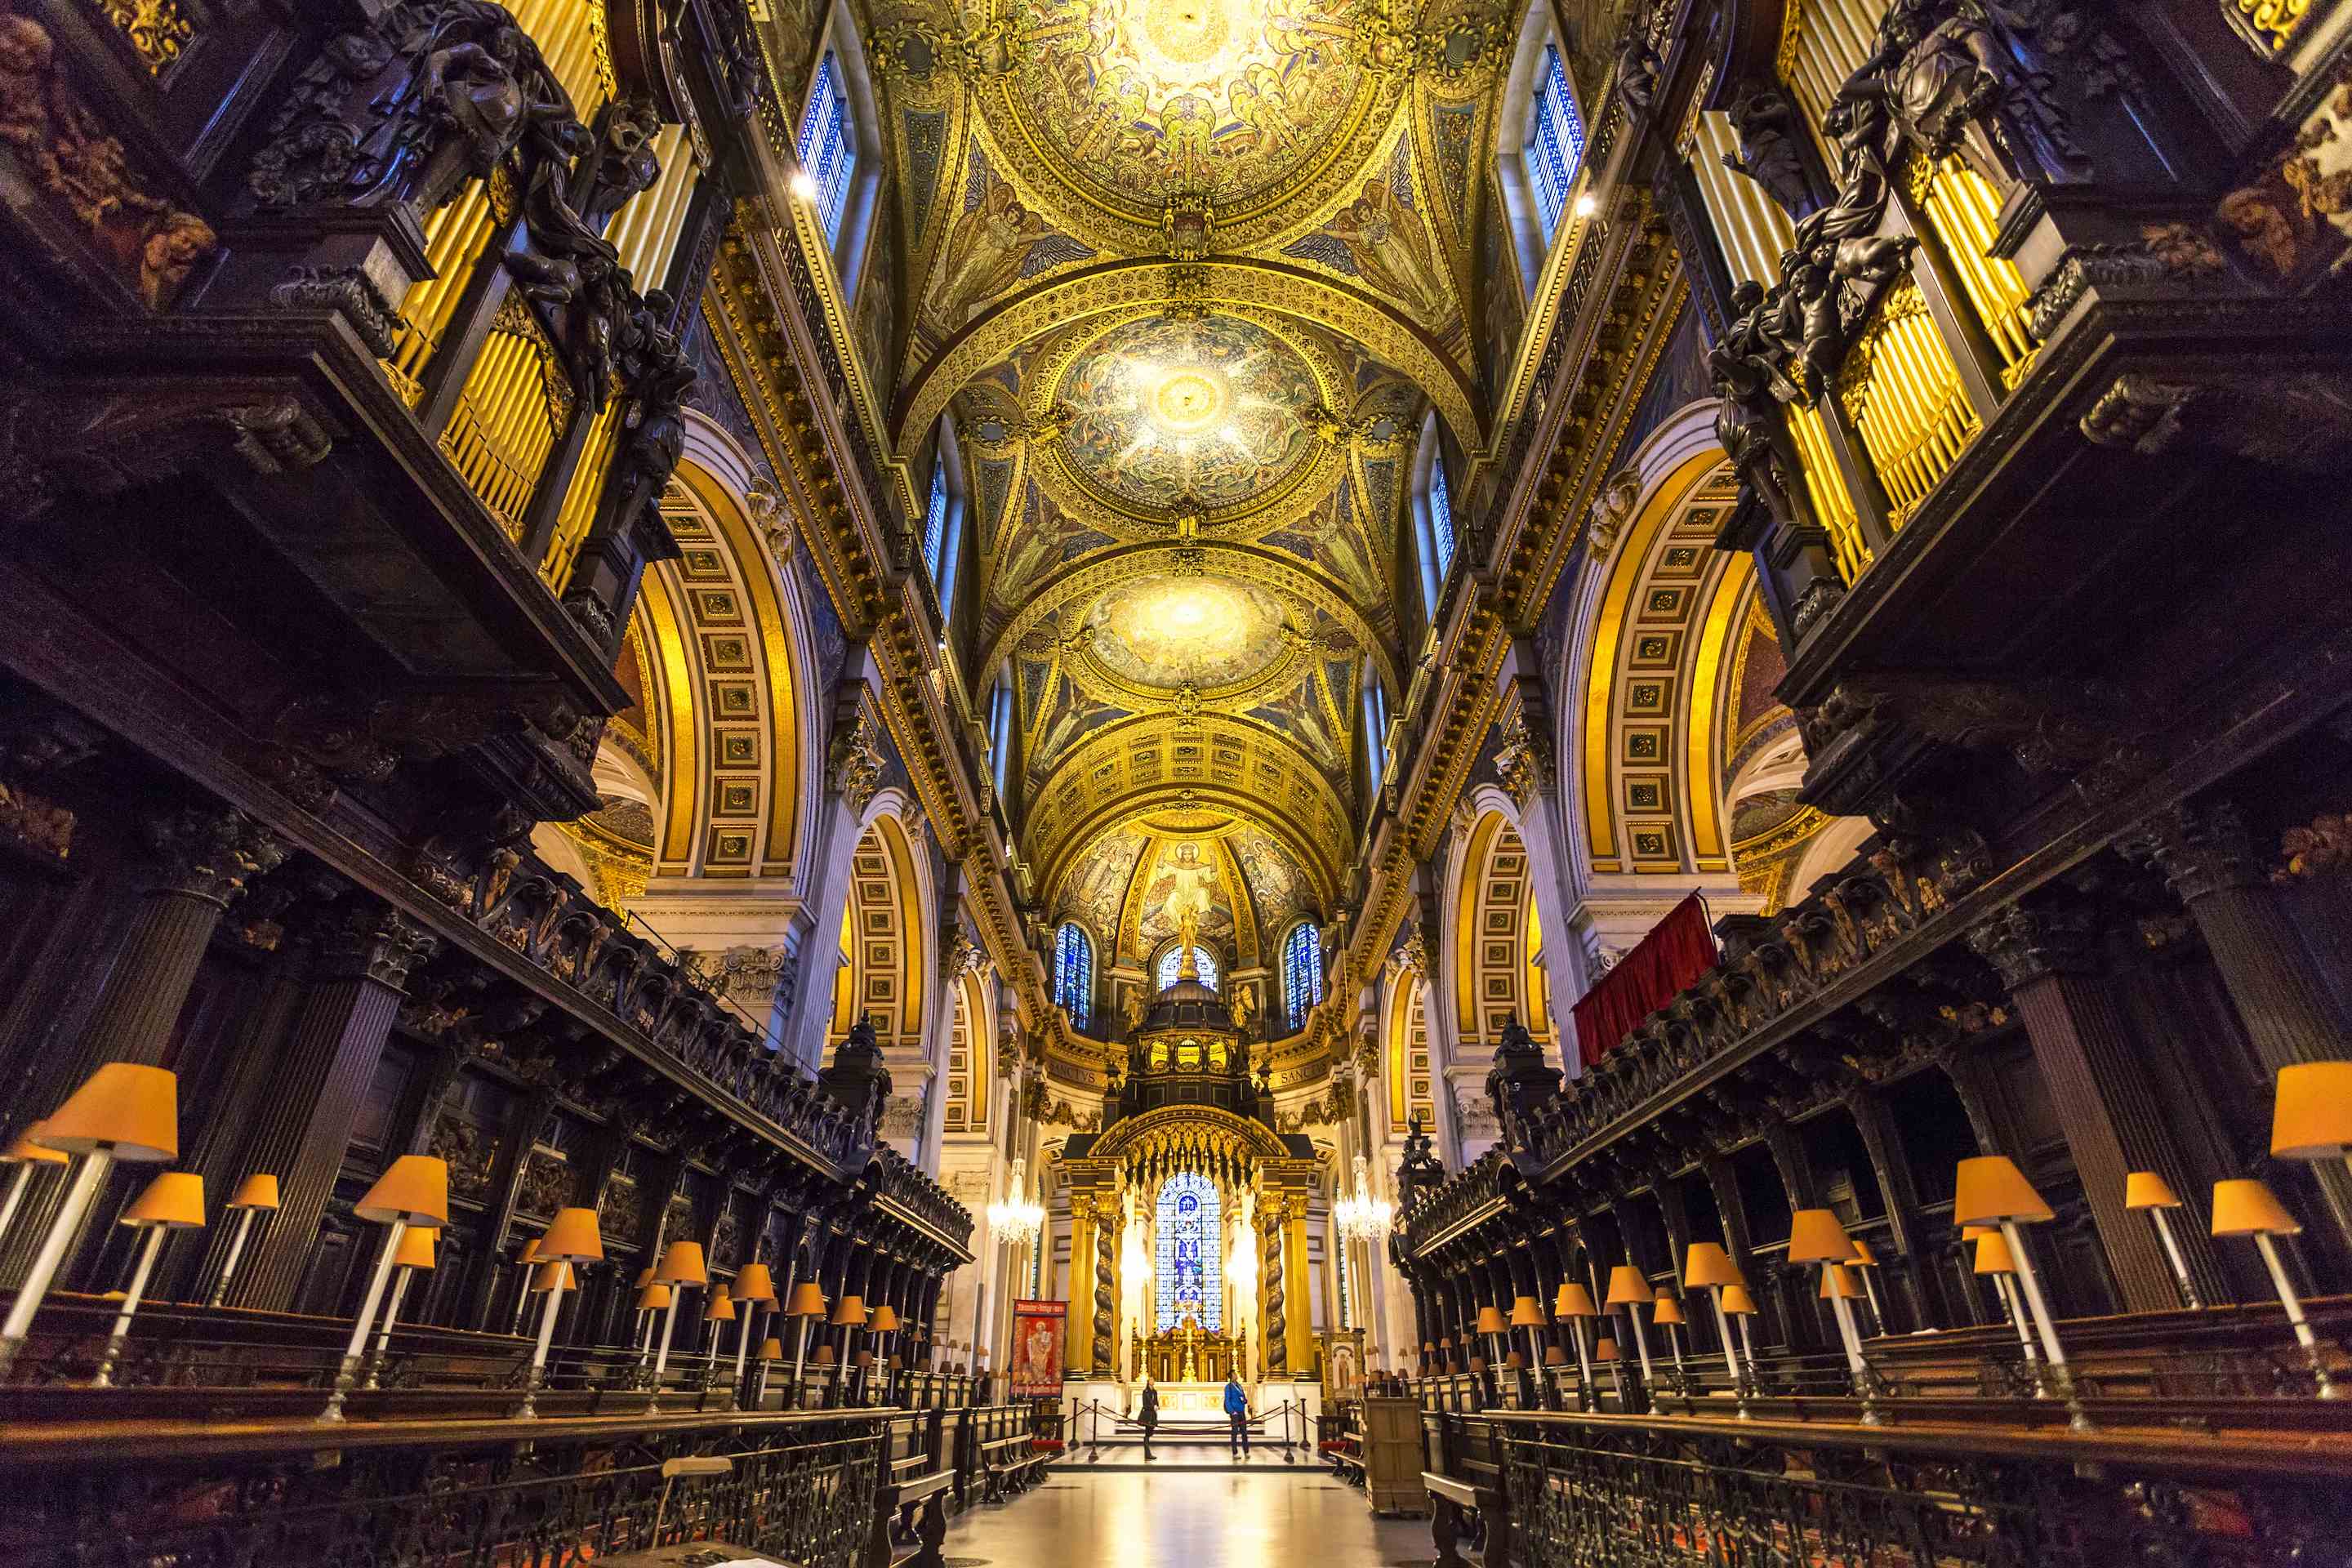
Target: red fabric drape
<point x="1678" y="950"/>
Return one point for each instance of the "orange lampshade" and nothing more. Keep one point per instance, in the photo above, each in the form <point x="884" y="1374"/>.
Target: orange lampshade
<point x="898" y="1363"/>
<point x="1738" y="1301"/>
<point x="850" y="1312"/>
<point x="866" y="1358"/>
<point x="645" y="1276"/>
<point x="530" y="1253"/>
<point x="1863" y="1257"/>
<point x="825" y="1356"/>
<point x="1477" y="1363"/>
<point x="1971" y="1232"/>
<point x="415" y="1252"/>
<point x="1555" y="1356"/>
<point x="808" y="1301"/>
<point x="885" y="1319"/>
<point x="2248" y="1207"/>
<point x="2147" y="1190"/>
<point x="1626" y="1287"/>
<point x="1490" y="1319"/>
<point x="754" y="1284"/>
<point x="1575" y="1301"/>
<point x="1816" y="1237"/>
<point x="771" y="1349"/>
<point x="1606" y="1349"/>
<point x="722" y="1307"/>
<point x="130" y="1111"/>
<point x="573" y="1236"/>
<point x="555" y="1274"/>
<point x="681" y="1264"/>
<point x="1515" y="1361"/>
<point x="1993" y="1254"/>
<point x="259" y="1191"/>
<point x="28" y="1147"/>
<point x="1527" y="1312"/>
<point x="1838" y="1283"/>
<point x="174" y="1200"/>
<point x="1707" y="1263"/>
<point x="1428" y="1347"/>
<point x="415" y="1190"/>
<point x="2314" y="1117"/>
<point x="1991" y="1188"/>
<point x="652" y="1297"/>
<point x="1667" y="1310"/>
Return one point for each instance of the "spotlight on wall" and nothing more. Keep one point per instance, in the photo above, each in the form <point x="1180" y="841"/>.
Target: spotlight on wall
<point x="803" y="187"/>
<point x="1586" y="206"/>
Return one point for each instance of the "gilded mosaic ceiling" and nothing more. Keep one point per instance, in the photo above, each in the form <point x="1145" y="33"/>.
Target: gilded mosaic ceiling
<point x="1211" y="411"/>
<point x="1168" y="633"/>
<point x="1131" y="886"/>
<point x="1186" y="276"/>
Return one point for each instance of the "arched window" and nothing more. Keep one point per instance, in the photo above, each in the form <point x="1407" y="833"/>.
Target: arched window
<point x="1074" y="972"/>
<point x="1435" y="520"/>
<point x="828" y="144"/>
<point x="1302" y="972"/>
<point x="1171" y="959"/>
<point x="1191" y="1267"/>
<point x="1555" y="143"/>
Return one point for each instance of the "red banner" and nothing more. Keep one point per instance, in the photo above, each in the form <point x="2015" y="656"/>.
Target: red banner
<point x="1039" y="1329"/>
<point x="1678" y="950"/>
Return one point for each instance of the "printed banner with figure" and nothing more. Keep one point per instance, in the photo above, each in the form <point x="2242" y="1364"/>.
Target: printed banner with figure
<point x="1038" y="1328"/>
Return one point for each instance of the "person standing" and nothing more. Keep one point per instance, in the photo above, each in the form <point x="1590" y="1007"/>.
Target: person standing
<point x="1237" y="1412"/>
<point x="1151" y="1414"/>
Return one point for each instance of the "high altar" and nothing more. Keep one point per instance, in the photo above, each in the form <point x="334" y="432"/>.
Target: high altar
<point x="1190" y="1210"/>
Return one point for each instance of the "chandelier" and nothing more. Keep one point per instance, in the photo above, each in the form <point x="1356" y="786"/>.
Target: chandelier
<point x="1016" y="1219"/>
<point x="1363" y="1218"/>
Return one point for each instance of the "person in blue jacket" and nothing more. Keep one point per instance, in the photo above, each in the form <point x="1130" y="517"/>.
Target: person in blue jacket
<point x="1237" y="1412"/>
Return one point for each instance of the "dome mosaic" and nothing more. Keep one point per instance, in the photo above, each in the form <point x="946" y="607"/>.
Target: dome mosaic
<point x="1209" y="410"/>
<point x="1166" y="633"/>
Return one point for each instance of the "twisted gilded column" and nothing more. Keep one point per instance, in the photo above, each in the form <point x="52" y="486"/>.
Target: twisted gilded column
<point x="1272" y="1322"/>
<point x="1105" y="1357"/>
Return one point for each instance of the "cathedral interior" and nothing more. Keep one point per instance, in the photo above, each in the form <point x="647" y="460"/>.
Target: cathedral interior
<point x="853" y="783"/>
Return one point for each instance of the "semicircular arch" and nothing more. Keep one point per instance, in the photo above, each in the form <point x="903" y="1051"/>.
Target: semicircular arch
<point x="1383" y="330"/>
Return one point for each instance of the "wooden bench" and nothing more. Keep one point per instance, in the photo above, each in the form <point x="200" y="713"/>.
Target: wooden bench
<point x="918" y="1506"/>
<point x="1453" y="1505"/>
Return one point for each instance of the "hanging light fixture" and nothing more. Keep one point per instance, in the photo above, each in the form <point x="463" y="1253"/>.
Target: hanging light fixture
<point x="1363" y="1218"/>
<point x="1017" y="1219"/>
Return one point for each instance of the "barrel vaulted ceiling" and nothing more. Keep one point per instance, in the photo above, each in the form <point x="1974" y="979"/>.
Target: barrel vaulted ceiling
<point x="1186" y="277"/>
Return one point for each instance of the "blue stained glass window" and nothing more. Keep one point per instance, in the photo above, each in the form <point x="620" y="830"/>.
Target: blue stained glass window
<point x="1173" y="960"/>
<point x="1555" y="145"/>
<point x="1302" y="972"/>
<point x="1441" y="516"/>
<point x="935" y="522"/>
<point x="1191" y="1262"/>
<point x="1074" y="972"/>
<point x="828" y="148"/>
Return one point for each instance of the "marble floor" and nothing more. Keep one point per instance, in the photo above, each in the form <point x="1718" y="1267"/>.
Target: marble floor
<point x="1297" y="1519"/>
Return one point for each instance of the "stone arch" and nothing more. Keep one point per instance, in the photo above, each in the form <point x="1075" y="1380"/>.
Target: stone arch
<point x="887" y="934"/>
<point x="1489" y="939"/>
<point x="1406" y="1062"/>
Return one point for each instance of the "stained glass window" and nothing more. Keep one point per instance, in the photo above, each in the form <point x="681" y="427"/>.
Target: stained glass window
<point x="828" y="149"/>
<point x="1173" y="960"/>
<point x="1302" y="972"/>
<point x="1440" y="515"/>
<point x="1074" y="972"/>
<point x="1191" y="1267"/>
<point x="1555" y="145"/>
<point x="935" y="523"/>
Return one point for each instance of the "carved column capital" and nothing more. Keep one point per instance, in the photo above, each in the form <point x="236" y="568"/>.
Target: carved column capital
<point x="370" y="941"/>
<point x="2200" y="851"/>
<point x="2024" y="945"/>
<point x="208" y="852"/>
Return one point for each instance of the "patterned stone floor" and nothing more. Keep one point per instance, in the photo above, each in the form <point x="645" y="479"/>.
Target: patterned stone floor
<point x="1298" y="1518"/>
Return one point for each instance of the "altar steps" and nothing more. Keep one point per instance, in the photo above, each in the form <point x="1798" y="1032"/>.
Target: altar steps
<point x="1190" y="1454"/>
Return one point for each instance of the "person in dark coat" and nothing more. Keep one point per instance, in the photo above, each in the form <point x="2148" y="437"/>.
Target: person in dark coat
<point x="1150" y="1414"/>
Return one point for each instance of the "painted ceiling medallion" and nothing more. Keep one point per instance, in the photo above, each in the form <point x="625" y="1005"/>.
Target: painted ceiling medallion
<point x="1169" y="632"/>
<point x="1209" y="410"/>
<point x="1133" y="102"/>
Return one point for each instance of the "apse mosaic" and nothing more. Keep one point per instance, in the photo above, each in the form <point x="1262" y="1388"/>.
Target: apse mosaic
<point x="1166" y="633"/>
<point x="1098" y="887"/>
<point x="1187" y="880"/>
<point x="1210" y="410"/>
<point x="1135" y="100"/>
